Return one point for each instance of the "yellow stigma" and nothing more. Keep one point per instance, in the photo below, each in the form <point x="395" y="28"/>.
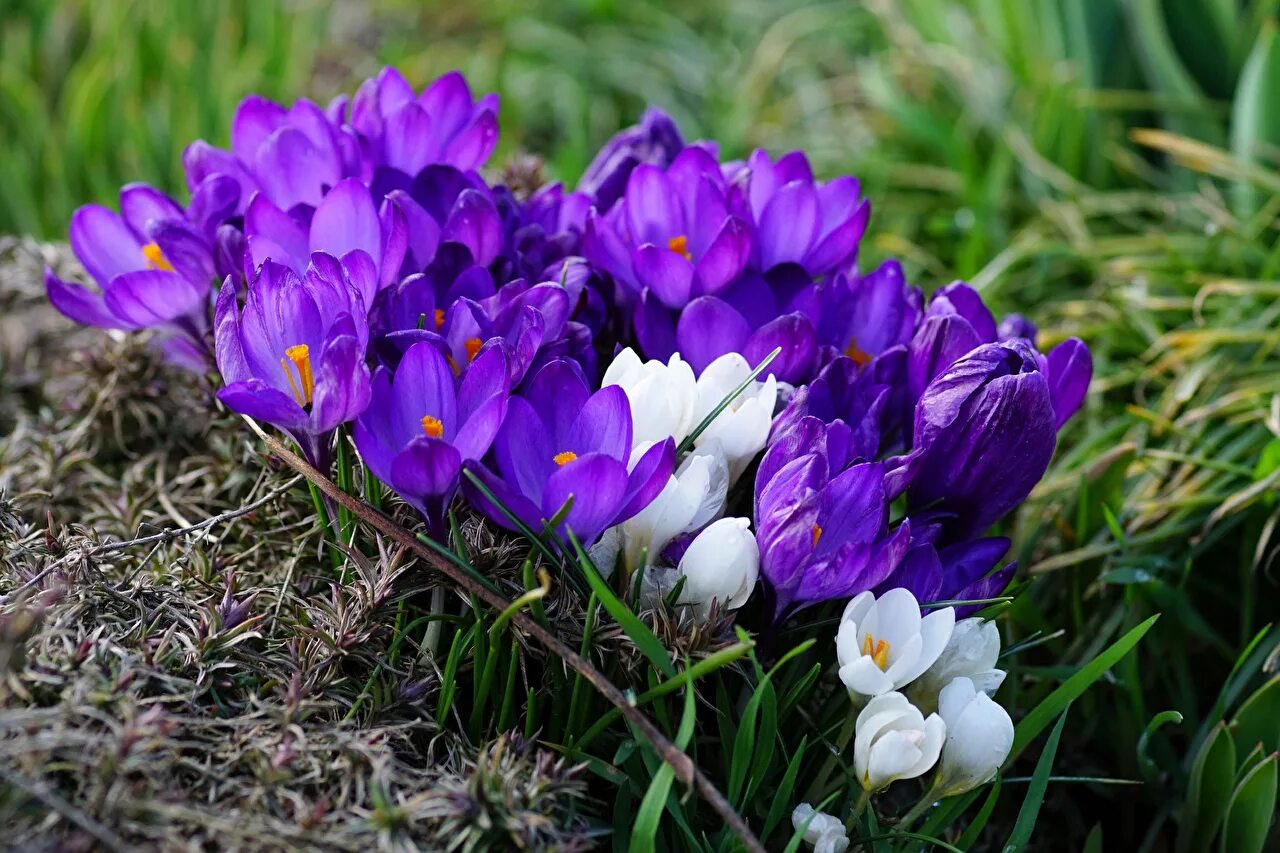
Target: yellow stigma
<point x="305" y="387"/>
<point x="155" y="258"/>
<point x="878" y="649"/>
<point x="472" y="346"/>
<point x="680" y="245"/>
<point x="433" y="427"/>
<point x="563" y="459"/>
<point x="439" y="318"/>
<point x="817" y="534"/>
<point x="860" y="358"/>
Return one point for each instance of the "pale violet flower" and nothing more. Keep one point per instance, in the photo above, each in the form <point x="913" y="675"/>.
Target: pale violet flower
<point x="693" y="497"/>
<point x="971" y="653"/>
<point x="662" y="396"/>
<point x="979" y="737"/>
<point x="825" y="832"/>
<point x="743" y="427"/>
<point x="884" y="644"/>
<point x="893" y="740"/>
<point x="722" y="564"/>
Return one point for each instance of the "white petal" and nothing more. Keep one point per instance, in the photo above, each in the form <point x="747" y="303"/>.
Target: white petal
<point x="863" y="677"/>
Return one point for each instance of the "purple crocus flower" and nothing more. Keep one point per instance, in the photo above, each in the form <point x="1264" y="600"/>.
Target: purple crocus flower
<point x="153" y="268"/>
<point x="540" y="231"/>
<point x="560" y="441"/>
<point x="984" y="434"/>
<point x="1069" y="367"/>
<point x="957" y="572"/>
<point x="863" y="316"/>
<point x="422" y="423"/>
<point x="294" y="355"/>
<point x="955" y="323"/>
<point x="655" y="140"/>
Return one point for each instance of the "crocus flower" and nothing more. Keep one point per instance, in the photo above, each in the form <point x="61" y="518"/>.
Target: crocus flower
<point x="540" y="231"/>
<point x="1069" y="367"/>
<point x="971" y="653"/>
<point x="979" y="737"/>
<point x="884" y="643"/>
<point x="153" y="270"/>
<point x="825" y="833"/>
<point x="961" y="571"/>
<point x="721" y="565"/>
<point x="655" y="140"/>
<point x="955" y="323"/>
<point x="422" y="423"/>
<point x="893" y="740"/>
<point x="560" y="442"/>
<point x="294" y="355"/>
<point x="662" y="396"/>
<point x="742" y="428"/>
<point x="862" y="316"/>
<point x="692" y="498"/>
<point x="984" y="434"/>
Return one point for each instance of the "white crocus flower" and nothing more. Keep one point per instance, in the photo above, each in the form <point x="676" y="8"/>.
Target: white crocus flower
<point x="722" y="564"/>
<point x="693" y="497"/>
<point x="979" y="737"/>
<point x="971" y="653"/>
<point x="743" y="427"/>
<point x="662" y="396"/>
<point x="825" y="833"/>
<point x="885" y="644"/>
<point x="892" y="740"/>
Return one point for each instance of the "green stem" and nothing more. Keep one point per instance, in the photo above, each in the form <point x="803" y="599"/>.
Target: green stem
<point x="922" y="805"/>
<point x="326" y="527"/>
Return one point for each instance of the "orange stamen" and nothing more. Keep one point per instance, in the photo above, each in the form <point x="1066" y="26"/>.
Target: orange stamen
<point x="877" y="649"/>
<point x="439" y="318"/>
<point x="817" y="534"/>
<point x="155" y="258"/>
<point x="472" y="346"/>
<point x="563" y="459"/>
<point x="860" y="358"/>
<point x="433" y="427"/>
<point x="304" y="389"/>
<point x="680" y="245"/>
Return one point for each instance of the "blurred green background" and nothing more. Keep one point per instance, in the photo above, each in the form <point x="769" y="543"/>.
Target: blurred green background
<point x="1105" y="166"/>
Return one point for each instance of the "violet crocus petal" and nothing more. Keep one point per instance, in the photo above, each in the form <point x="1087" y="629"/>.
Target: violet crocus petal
<point x="254" y="121"/>
<point x="185" y="250"/>
<point x="201" y="161"/>
<point x="373" y="431"/>
<point x="273" y="234"/>
<point x="342" y="385"/>
<point x="837" y="245"/>
<point x="647" y="478"/>
<point x="476" y="434"/>
<point x="854" y="568"/>
<point x="966" y="302"/>
<point x="725" y="258"/>
<point x="474" y="222"/>
<point x="603" y="425"/>
<point x="708" y="328"/>
<point x="104" y="244"/>
<point x="213" y="202"/>
<point x="603" y="247"/>
<point x="667" y="275"/>
<point x="982" y="589"/>
<point x="940" y="341"/>
<point x="885" y="311"/>
<point x="486" y="377"/>
<point x="655" y="327"/>
<point x="652" y="206"/>
<point x="448" y="100"/>
<point x="81" y="304"/>
<point x="1070" y="369"/>
<point x="788" y="225"/>
<point x="347" y="220"/>
<point x="408" y="139"/>
<point x="472" y="146"/>
<point x="258" y="400"/>
<point x="140" y="204"/>
<point x="1016" y="326"/>
<point x="524" y="450"/>
<point x="855" y="507"/>
<point x="228" y="350"/>
<point x="523" y="508"/>
<point x="428" y="467"/>
<point x="920" y="572"/>
<point x="965" y="563"/>
<point x="559" y="392"/>
<point x="151" y="297"/>
<point x="787" y="445"/>
<point x="423" y="385"/>
<point x="422" y="232"/>
<point x="395" y="242"/>
<point x="597" y="484"/>
<point x="292" y="169"/>
<point x="799" y="344"/>
<point x="179" y="351"/>
<point x="228" y="251"/>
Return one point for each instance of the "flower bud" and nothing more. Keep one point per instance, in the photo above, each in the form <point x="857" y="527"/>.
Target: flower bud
<point x="826" y="833"/>
<point x="979" y="737"/>
<point x="662" y="396"/>
<point x="885" y="644"/>
<point x="893" y="740"/>
<point x="743" y="426"/>
<point x="722" y="564"/>
<point x="971" y="653"/>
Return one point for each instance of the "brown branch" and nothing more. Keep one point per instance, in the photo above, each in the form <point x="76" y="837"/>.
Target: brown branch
<point x="683" y="766"/>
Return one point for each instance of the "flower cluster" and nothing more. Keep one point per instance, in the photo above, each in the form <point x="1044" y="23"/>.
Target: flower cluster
<point x="353" y="276"/>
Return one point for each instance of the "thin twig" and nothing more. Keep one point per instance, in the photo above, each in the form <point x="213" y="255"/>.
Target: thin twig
<point x="683" y="766"/>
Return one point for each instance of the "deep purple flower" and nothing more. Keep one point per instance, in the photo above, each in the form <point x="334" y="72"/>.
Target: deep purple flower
<point x="443" y="206"/>
<point x="153" y="268"/>
<point x="957" y="572"/>
<point x="655" y="140"/>
<point x="560" y="441"/>
<point x="840" y="393"/>
<point x="955" y="323"/>
<point x="540" y="231"/>
<point x="984" y="434"/>
<point x="294" y="355"/>
<point x="422" y="423"/>
<point x="862" y="316"/>
<point x="1069" y="367"/>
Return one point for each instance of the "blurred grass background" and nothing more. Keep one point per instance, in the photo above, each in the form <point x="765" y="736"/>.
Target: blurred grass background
<point x="1104" y="166"/>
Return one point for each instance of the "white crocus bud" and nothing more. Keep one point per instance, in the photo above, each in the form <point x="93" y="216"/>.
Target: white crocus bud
<point x="743" y="427"/>
<point x="979" y="737"/>
<point x="885" y="644"/>
<point x="693" y="497"/>
<point x="971" y="653"/>
<point x="722" y="564"/>
<point x="824" y="832"/>
<point x="892" y="740"/>
<point x="662" y="396"/>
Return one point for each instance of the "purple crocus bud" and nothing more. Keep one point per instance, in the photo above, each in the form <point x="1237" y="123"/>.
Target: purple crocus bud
<point x="655" y="140"/>
<point x="422" y="423"/>
<point x="956" y="322"/>
<point x="800" y="221"/>
<point x="1069" y="368"/>
<point x="294" y="355"/>
<point x="152" y="268"/>
<point x="984" y="434"/>
<point x="561" y="442"/>
<point x="1017" y="326"/>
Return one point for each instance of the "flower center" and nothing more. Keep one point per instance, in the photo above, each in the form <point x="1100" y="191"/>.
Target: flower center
<point x="860" y="358"/>
<point x="472" y="346"/>
<point x="817" y="534"/>
<point x="155" y="258"/>
<point x="439" y="318"/>
<point x="680" y="245"/>
<point x="433" y="427"/>
<point x="563" y="459"/>
<point x="305" y="386"/>
<point x="877" y="649"/>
